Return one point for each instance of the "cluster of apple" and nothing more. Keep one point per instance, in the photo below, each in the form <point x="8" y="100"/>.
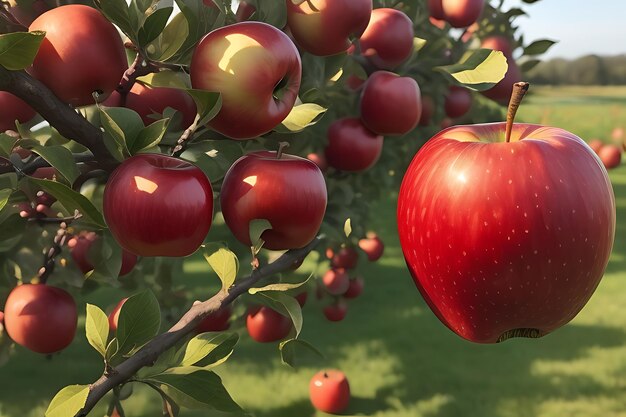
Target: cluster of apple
<point x="609" y="153"/>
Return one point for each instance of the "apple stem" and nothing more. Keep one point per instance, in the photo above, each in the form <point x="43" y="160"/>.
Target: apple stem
<point x="281" y="147"/>
<point x="519" y="91"/>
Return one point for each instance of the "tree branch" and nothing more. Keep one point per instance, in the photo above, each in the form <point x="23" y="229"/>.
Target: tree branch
<point x="148" y="354"/>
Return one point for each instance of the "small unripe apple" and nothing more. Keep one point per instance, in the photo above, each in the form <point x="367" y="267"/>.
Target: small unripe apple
<point x="356" y="288"/>
<point x="610" y="155"/>
<point x="13" y="109"/>
<point x="458" y="102"/>
<point x="352" y="146"/>
<point x="266" y="325"/>
<point x="373" y="247"/>
<point x="330" y="391"/>
<point x="336" y="281"/>
<point x="147" y="101"/>
<point x="336" y="311"/>
<point x="217" y="321"/>
<point x="388" y="40"/>
<point x="114" y="315"/>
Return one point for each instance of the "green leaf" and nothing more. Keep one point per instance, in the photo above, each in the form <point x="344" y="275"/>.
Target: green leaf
<point x="213" y="157"/>
<point x="271" y="11"/>
<point x="170" y="41"/>
<point x="529" y="64"/>
<point x="224" y="262"/>
<point x="301" y="117"/>
<point x="60" y="158"/>
<point x="347" y="227"/>
<point x="150" y="136"/>
<point x="282" y="286"/>
<point x="256" y="229"/>
<point x="154" y="25"/>
<point x="12" y="230"/>
<point x="97" y="328"/>
<point x="538" y="47"/>
<point x="284" y="303"/>
<point x="18" y="49"/>
<point x="418" y="44"/>
<point x="208" y="104"/>
<point x="166" y="78"/>
<point x="68" y="402"/>
<point x="7" y="143"/>
<point x="114" y="136"/>
<point x="111" y="349"/>
<point x="71" y="200"/>
<point x="106" y="256"/>
<point x="203" y="344"/>
<point x="117" y="12"/>
<point x="4" y="197"/>
<point x="482" y="70"/>
<point x="288" y="350"/>
<point x="139" y="321"/>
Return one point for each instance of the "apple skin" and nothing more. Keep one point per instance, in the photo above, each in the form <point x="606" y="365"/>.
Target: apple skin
<point x="428" y="111"/>
<point x="610" y="155"/>
<point x="40" y="317"/>
<point x="336" y="281"/>
<point x="388" y="40"/>
<point x="246" y="62"/>
<point x="346" y="258"/>
<point x="458" y="101"/>
<point x="462" y="13"/>
<point x="79" y="248"/>
<point x="13" y="108"/>
<point x="498" y="43"/>
<point x="617" y="134"/>
<point x="436" y="10"/>
<point x="352" y="146"/>
<point x="76" y="59"/>
<point x="266" y="325"/>
<point x="301" y="298"/>
<point x="502" y="237"/>
<point x="446" y="123"/>
<point x="114" y="315"/>
<point x="336" y="311"/>
<point x="156" y="205"/>
<point x="596" y="145"/>
<point x="318" y="159"/>
<point x="329" y="391"/>
<point x="390" y="104"/>
<point x="373" y="247"/>
<point x="245" y="10"/>
<point x="327" y="29"/>
<point x="147" y="101"/>
<point x="289" y="192"/>
<point x="218" y="321"/>
<point x="2" y="318"/>
<point x="355" y="289"/>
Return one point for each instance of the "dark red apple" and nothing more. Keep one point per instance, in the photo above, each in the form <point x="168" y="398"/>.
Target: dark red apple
<point x="114" y="315"/>
<point x="336" y="281"/>
<point x="336" y="311"/>
<point x="355" y="289"/>
<point x="217" y="321"/>
<point x="610" y="155"/>
<point x="156" y="205"/>
<point x="390" y="104"/>
<point x="266" y="325"/>
<point x="498" y="43"/>
<point x="329" y="391"/>
<point x="301" y="298"/>
<point x="458" y="101"/>
<point x="373" y="247"/>
<point x="388" y="40"/>
<point x="352" y="146"/>
<point x="79" y="248"/>
<point x="13" y="109"/>
<point x="40" y="317"/>
<point x="148" y="101"/>
<point x="462" y="13"/>
<point x="346" y="257"/>
<point x="435" y="9"/>
<point x="286" y="190"/>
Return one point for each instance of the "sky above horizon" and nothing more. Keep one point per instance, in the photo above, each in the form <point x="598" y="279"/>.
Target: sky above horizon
<point x="582" y="27"/>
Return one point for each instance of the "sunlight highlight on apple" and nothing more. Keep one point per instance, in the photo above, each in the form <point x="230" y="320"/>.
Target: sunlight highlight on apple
<point x="145" y="185"/>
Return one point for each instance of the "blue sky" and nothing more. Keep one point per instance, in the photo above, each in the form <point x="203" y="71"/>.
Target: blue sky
<point x="581" y="26"/>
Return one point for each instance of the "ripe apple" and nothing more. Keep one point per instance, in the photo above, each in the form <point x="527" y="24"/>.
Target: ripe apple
<point x="355" y="289"/>
<point x="147" y="101"/>
<point x="617" y="134"/>
<point x="114" y="315"/>
<point x="498" y="43"/>
<point x="82" y="53"/>
<point x="217" y="321"/>
<point x="245" y="11"/>
<point x="428" y="111"/>
<point x="346" y="257"/>
<point x="390" y="104"/>
<point x="352" y="146"/>
<point x="301" y="298"/>
<point x="256" y="68"/>
<point x="286" y="190"/>
<point x="13" y="109"/>
<point x="79" y="248"/>
<point x="458" y="101"/>
<point x="336" y="311"/>
<point x="156" y="205"/>
<point x="330" y="391"/>
<point x="1" y="318"/>
<point x="610" y="155"/>
<point x="40" y="317"/>
<point x="373" y="247"/>
<point x="462" y="13"/>
<point x="336" y="281"/>
<point x="388" y="40"/>
<point x="438" y="23"/>
<point x="266" y="325"/>
<point x="436" y="10"/>
<point x="596" y="145"/>
<point x="324" y="27"/>
<point x="506" y="239"/>
<point x="318" y="159"/>
<point x="446" y="122"/>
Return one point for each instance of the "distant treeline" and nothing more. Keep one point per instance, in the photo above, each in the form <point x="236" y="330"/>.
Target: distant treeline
<point x="587" y="70"/>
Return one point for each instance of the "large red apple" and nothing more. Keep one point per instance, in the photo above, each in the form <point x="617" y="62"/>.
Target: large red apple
<point x="388" y="40"/>
<point x="217" y="321"/>
<point x="286" y="190"/>
<point x="13" y="109"/>
<point x="506" y="239"/>
<point x="390" y="104"/>
<point x="266" y="325"/>
<point x="156" y="205"/>
<point x="436" y="10"/>
<point x="40" y="318"/>
<point x="610" y="155"/>
<point x="352" y="146"/>
<point x="324" y="27"/>
<point x="458" y="101"/>
<point x="148" y="101"/>
<point x="256" y="68"/>
<point x="82" y="53"/>
<point x="462" y="13"/>
<point x="81" y="244"/>
<point x="330" y="391"/>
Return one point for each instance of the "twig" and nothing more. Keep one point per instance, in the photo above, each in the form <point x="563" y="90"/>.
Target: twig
<point x="50" y="256"/>
<point x="187" y="135"/>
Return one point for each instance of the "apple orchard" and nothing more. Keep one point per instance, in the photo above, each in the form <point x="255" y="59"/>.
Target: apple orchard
<point x="253" y="134"/>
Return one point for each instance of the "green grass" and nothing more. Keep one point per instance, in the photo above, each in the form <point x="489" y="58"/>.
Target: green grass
<point x="400" y="360"/>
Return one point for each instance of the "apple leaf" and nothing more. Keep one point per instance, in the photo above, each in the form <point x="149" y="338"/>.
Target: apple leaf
<point x="5" y="194"/>
<point x="11" y="231"/>
<point x="204" y="344"/>
<point x="60" y="158"/>
<point x="150" y="136"/>
<point x="301" y="117"/>
<point x="538" y="47"/>
<point x="68" y="402"/>
<point x="117" y="11"/>
<point x="286" y="305"/>
<point x="7" y="143"/>
<point x="271" y="11"/>
<point x="288" y="350"/>
<point x="529" y="64"/>
<point x="480" y="71"/>
<point x="208" y="104"/>
<point x="171" y="40"/>
<point x="223" y="261"/>
<point x="106" y="256"/>
<point x="166" y="78"/>
<point x="18" y="50"/>
<point x="119" y="130"/>
<point x="256" y="229"/>
<point x="97" y="328"/>
<point x="418" y="44"/>
<point x="213" y="157"/>
<point x="282" y="286"/>
<point x="139" y="321"/>
<point x="347" y="227"/>
<point x="154" y="25"/>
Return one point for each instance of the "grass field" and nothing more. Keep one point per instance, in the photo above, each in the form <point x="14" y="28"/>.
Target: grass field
<point x="400" y="360"/>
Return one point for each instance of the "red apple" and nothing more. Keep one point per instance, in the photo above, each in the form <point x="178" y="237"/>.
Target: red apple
<point x="506" y="239"/>
<point x="596" y="145"/>
<point x="435" y="9"/>
<point x="346" y="258"/>
<point x="610" y="155"/>
<point x="388" y="40"/>
<point x="501" y="92"/>
<point x="147" y="101"/>
<point x="266" y="325"/>
<point x="318" y="159"/>
<point x="617" y="134"/>
<point x="355" y="289"/>
<point x="40" y="317"/>
<point x="114" y="315"/>
<point x="458" y="101"/>
<point x="373" y="247"/>
<point x="329" y="391"/>
<point x="336" y="281"/>
<point x="352" y="146"/>
<point x="324" y="27"/>
<point x="462" y="13"/>
<point x="428" y="111"/>
<point x="13" y="109"/>
<point x="301" y="298"/>
<point x="354" y="82"/>
<point x="79" y="248"/>
<point x="446" y="122"/>
<point x="256" y="68"/>
<point x="217" y="321"/>
<point x="156" y="205"/>
<point x="1" y="318"/>
<point x="245" y="11"/>
<point x="390" y="104"/>
<point x="336" y="311"/>
<point x="286" y="190"/>
<point x="82" y="53"/>
<point x="440" y="24"/>
<point x="498" y="43"/>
